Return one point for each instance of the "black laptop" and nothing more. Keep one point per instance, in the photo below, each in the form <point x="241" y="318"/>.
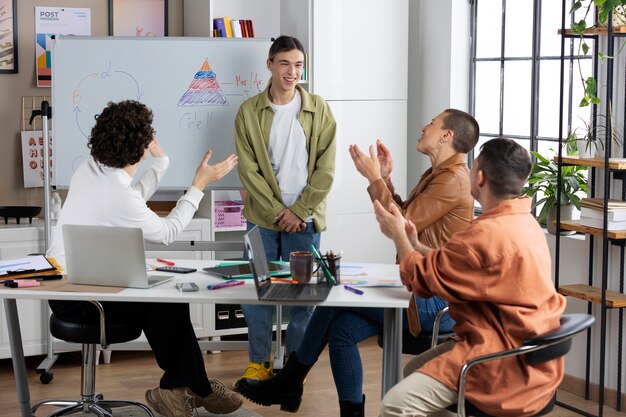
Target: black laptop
<point x="268" y="291"/>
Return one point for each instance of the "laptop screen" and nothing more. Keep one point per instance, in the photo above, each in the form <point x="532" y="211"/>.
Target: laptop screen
<point x="256" y="254"/>
<point x="105" y="255"/>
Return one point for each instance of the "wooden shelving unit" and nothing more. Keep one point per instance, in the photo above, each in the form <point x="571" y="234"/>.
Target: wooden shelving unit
<point x="603" y="244"/>
<point x="594" y="295"/>
<point x="615" y="164"/>
<point x="575" y="226"/>
<point x="596" y="30"/>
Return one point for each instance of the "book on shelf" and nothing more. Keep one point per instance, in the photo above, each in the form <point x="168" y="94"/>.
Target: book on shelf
<point x="612" y="215"/>
<point x="599" y="223"/>
<point x="228" y="26"/>
<point x="219" y="28"/>
<point x="236" y="28"/>
<point x="247" y="28"/>
<point x="598" y="204"/>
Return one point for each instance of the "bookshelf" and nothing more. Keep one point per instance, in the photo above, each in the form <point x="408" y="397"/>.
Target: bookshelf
<point x="603" y="292"/>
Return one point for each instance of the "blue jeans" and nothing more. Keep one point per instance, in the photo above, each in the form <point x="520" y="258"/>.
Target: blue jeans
<point x="342" y="328"/>
<point x="278" y="245"/>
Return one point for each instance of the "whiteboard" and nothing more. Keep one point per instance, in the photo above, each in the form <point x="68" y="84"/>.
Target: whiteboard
<point x="194" y="87"/>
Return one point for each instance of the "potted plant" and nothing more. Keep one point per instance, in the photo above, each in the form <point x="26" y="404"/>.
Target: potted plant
<point x="543" y="184"/>
<point x="588" y="138"/>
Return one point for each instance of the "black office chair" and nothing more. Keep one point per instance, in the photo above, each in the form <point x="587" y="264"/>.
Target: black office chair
<point x="89" y="335"/>
<point x="414" y="345"/>
<point x="537" y="349"/>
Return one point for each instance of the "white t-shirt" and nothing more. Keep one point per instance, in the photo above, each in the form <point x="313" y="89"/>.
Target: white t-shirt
<point x="104" y="196"/>
<point x="287" y="150"/>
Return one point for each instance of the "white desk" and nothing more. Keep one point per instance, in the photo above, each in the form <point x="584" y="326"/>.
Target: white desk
<point x="393" y="300"/>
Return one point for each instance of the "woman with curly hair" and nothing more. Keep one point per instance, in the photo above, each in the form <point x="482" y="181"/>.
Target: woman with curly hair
<point x="102" y="192"/>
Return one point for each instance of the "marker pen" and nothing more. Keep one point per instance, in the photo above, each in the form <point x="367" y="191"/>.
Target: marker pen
<point x="354" y="290"/>
<point x="165" y="261"/>
<point x="225" y="285"/>
<point x="22" y="283"/>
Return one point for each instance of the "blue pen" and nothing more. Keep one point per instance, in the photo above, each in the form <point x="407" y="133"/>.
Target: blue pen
<point x="354" y="290"/>
<point x="226" y="284"/>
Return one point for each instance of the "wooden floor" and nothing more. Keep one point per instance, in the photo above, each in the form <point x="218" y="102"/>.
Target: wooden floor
<point x="131" y="373"/>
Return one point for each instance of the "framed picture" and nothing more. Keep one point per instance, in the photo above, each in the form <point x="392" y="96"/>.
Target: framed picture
<point x="139" y="18"/>
<point x="8" y="36"/>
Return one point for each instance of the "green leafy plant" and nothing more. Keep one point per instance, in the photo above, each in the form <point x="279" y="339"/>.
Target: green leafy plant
<point x="603" y="9"/>
<point x="544" y="179"/>
<point x="593" y="135"/>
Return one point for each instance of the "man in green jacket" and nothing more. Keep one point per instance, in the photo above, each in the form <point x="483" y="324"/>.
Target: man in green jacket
<point x="285" y="141"/>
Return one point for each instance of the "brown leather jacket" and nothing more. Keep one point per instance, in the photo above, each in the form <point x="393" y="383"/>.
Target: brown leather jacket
<point x="440" y="205"/>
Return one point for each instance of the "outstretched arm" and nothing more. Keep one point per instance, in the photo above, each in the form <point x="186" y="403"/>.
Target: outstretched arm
<point x="207" y="174"/>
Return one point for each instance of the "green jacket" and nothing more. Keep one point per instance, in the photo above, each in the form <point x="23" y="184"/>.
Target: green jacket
<point x="252" y="131"/>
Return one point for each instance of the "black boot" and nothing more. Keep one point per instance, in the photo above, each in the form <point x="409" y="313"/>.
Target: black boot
<point x="285" y="388"/>
<point x="350" y="409"/>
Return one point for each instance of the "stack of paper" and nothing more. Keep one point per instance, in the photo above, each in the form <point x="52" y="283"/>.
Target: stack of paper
<point x="592" y="213"/>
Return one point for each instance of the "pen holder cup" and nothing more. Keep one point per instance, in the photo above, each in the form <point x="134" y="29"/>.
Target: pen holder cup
<point x="334" y="266"/>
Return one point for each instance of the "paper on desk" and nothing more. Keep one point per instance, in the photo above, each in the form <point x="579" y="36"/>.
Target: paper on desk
<point x="349" y="269"/>
<point x="371" y="281"/>
<point x="360" y="275"/>
<point x="31" y="265"/>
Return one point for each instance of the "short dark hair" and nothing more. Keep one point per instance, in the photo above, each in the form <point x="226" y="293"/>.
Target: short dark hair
<point x="122" y="134"/>
<point x="285" y="43"/>
<point x="465" y="129"/>
<point x="506" y="165"/>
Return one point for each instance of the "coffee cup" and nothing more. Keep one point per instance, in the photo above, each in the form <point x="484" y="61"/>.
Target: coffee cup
<point x="301" y="265"/>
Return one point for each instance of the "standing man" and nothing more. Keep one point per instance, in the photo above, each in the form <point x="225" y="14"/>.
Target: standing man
<point x="285" y="141"/>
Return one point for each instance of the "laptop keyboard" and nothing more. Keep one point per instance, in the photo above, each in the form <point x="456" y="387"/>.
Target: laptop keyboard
<point x="285" y="290"/>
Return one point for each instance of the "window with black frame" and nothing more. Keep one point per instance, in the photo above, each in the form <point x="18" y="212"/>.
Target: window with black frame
<point x="516" y="73"/>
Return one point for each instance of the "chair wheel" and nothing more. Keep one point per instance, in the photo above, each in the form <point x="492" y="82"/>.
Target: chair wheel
<point x="46" y="377"/>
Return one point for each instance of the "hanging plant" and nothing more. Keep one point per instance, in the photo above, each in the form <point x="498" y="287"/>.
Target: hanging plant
<point x="603" y="8"/>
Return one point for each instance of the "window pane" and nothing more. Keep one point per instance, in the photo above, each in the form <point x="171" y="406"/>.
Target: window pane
<point x="517" y="91"/>
<point x="488" y="28"/>
<point x="550" y="25"/>
<point x="482" y="139"/>
<point x="549" y="81"/>
<point x="487" y="109"/>
<point x="519" y="28"/>
<point x="548" y="149"/>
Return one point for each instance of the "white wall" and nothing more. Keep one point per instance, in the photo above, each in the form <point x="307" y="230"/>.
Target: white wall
<point x="439" y="41"/>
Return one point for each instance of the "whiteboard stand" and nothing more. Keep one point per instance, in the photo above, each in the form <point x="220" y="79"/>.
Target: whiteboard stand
<point x="46" y="113"/>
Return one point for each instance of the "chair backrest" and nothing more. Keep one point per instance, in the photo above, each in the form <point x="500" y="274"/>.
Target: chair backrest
<point x="540" y="348"/>
<point x="558" y="342"/>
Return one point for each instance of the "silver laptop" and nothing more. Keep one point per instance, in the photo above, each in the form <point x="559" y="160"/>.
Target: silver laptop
<point x="107" y="255"/>
<point x="261" y="274"/>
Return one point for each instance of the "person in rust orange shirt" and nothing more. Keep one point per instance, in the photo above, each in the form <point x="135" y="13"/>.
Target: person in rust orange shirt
<point x="496" y="277"/>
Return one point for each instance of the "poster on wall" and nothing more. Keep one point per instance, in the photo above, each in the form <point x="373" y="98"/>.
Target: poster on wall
<point x="139" y="18"/>
<point x="51" y="21"/>
<point x="32" y="158"/>
<point x="8" y="36"/>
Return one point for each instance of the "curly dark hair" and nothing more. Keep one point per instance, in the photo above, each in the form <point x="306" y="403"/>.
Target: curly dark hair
<point x="122" y="134"/>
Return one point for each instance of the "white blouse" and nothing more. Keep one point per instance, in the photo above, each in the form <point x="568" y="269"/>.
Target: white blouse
<point x="100" y="195"/>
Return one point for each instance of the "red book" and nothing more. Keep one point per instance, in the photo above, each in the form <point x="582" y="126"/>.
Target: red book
<point x="251" y="28"/>
<point x="244" y="32"/>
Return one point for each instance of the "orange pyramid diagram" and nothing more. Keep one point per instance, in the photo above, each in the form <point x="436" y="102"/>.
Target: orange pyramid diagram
<point x="204" y="89"/>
